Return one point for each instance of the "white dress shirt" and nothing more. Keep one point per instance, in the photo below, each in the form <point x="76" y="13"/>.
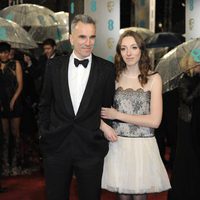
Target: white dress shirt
<point x="77" y="80"/>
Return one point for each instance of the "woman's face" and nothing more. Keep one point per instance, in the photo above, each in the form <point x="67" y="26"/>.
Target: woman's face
<point x="4" y="56"/>
<point x="130" y="51"/>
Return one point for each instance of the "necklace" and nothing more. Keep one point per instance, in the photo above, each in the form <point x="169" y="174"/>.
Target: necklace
<point x="129" y="76"/>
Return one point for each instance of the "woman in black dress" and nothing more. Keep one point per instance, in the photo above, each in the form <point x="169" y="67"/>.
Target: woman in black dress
<point x="11" y="83"/>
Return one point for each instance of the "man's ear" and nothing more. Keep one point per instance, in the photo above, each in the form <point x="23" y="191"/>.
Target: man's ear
<point x="71" y="39"/>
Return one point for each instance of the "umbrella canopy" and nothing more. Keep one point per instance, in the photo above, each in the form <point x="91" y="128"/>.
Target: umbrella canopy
<point x="59" y="32"/>
<point x="15" y="35"/>
<point x="177" y="61"/>
<point x="145" y="33"/>
<point x="28" y="15"/>
<point x="164" y="39"/>
<point x="62" y="18"/>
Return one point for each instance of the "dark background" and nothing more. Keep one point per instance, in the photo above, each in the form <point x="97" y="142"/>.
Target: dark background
<point x="169" y="13"/>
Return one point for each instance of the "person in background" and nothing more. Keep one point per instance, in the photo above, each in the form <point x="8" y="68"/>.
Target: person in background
<point x="11" y="84"/>
<point x="74" y="90"/>
<point x="29" y="132"/>
<point x="29" y="70"/>
<point x="186" y="174"/>
<point x="195" y="121"/>
<point x="2" y="188"/>
<point x="166" y="134"/>
<point x="133" y="166"/>
<point x="49" y="52"/>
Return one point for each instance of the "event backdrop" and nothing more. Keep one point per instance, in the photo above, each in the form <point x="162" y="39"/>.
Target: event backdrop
<point x="145" y="14"/>
<point x="192" y="20"/>
<point x="107" y="16"/>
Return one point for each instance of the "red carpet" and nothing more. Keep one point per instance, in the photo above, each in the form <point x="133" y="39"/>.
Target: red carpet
<point x="33" y="188"/>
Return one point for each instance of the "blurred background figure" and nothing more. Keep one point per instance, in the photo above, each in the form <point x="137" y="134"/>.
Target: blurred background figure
<point x="186" y="173"/>
<point x="196" y="125"/>
<point x="11" y="84"/>
<point x="49" y="52"/>
<point x="30" y="150"/>
<point x="2" y="189"/>
<point x="166" y="134"/>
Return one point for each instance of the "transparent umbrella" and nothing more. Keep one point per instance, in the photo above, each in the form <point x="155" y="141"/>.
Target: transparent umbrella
<point x="144" y="32"/>
<point x="29" y="15"/>
<point x="177" y="61"/>
<point x="15" y="35"/>
<point x="62" y="18"/>
<point x="59" y="33"/>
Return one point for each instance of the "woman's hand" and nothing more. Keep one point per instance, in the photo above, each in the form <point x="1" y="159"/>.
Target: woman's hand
<point x="109" y="113"/>
<point x="12" y="104"/>
<point x="110" y="134"/>
<point x="108" y="131"/>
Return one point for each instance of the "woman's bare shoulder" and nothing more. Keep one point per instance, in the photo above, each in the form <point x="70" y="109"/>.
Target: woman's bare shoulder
<point x="154" y="79"/>
<point x="154" y="75"/>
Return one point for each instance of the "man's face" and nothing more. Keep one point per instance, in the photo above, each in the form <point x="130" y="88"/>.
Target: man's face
<point x="83" y="39"/>
<point x="48" y="50"/>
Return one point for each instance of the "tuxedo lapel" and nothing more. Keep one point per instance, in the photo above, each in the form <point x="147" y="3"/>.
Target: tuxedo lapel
<point x="89" y="88"/>
<point x="65" y="87"/>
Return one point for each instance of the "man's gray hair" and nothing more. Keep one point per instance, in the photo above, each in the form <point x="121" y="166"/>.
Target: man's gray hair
<point x="86" y="19"/>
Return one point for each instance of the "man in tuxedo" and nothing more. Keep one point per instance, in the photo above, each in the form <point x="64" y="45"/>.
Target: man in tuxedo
<point x="75" y="88"/>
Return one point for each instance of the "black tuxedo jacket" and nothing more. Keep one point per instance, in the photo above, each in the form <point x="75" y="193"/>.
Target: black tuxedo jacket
<point x="58" y="125"/>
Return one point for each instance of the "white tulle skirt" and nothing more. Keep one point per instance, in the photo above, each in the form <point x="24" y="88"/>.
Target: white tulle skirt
<point x="134" y="166"/>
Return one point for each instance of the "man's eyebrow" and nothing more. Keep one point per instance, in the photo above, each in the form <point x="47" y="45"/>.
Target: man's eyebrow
<point x="83" y="36"/>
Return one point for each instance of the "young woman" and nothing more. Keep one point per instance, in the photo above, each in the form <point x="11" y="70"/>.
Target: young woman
<point x="133" y="166"/>
<point x="11" y="84"/>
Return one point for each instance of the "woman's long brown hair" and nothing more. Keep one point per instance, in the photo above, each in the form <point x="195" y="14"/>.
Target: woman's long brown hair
<point x="144" y="62"/>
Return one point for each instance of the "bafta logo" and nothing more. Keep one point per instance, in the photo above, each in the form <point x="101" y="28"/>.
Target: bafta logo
<point x="191" y="23"/>
<point x="110" y="42"/>
<point x="110" y="5"/>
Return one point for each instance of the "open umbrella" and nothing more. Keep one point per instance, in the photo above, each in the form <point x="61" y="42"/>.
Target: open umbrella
<point x="177" y="61"/>
<point x="144" y="32"/>
<point x="62" y="18"/>
<point x="164" y="39"/>
<point x="59" y="32"/>
<point x="29" y="15"/>
<point x="15" y="35"/>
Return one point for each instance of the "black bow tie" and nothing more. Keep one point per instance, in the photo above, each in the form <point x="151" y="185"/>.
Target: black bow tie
<point x="82" y="62"/>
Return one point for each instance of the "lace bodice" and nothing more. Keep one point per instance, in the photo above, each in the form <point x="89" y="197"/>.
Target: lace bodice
<point x="135" y="102"/>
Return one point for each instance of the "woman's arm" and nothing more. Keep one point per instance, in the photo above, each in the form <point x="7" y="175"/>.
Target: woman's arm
<point x="18" y="91"/>
<point x="108" y="131"/>
<point x="151" y="120"/>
